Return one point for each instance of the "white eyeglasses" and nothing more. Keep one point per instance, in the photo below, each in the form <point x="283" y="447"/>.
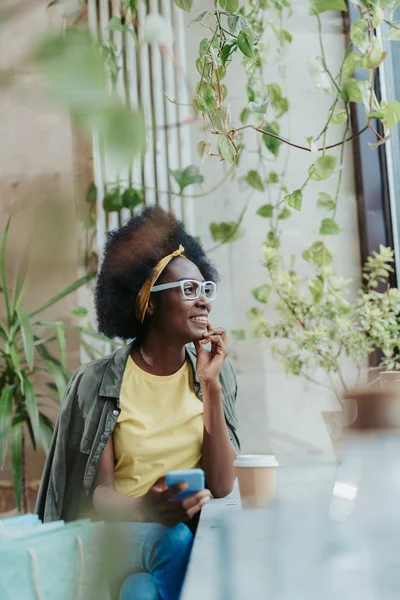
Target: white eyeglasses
<point x="191" y="289"/>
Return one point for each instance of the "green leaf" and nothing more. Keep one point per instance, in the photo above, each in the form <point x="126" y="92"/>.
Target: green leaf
<point x="6" y="399"/>
<point x="15" y="359"/>
<point x="205" y="99"/>
<point x="317" y="290"/>
<point x="72" y="287"/>
<point x="329" y="227"/>
<point x="351" y="63"/>
<point x="322" y="168"/>
<point x="184" y="4"/>
<point x="254" y="180"/>
<point x="245" y="43"/>
<point x="272" y="240"/>
<point x="294" y="200"/>
<point x="284" y="214"/>
<point x="203" y="150"/>
<point x="326" y="201"/>
<point x="131" y="198"/>
<point x="79" y="312"/>
<point x="374" y="55"/>
<point x="280" y="103"/>
<point x="351" y="91"/>
<point x="226" y="149"/>
<point x="187" y="176"/>
<point x="226" y="232"/>
<point x="32" y="409"/>
<point x="199" y="18"/>
<point x="236" y="23"/>
<point x="62" y="343"/>
<point x="390" y="114"/>
<point x="89" y="223"/>
<point x="58" y="375"/>
<point x="3" y="260"/>
<point x="91" y="194"/>
<point x="17" y="460"/>
<point x="394" y="34"/>
<point x="75" y="75"/>
<point x="267" y="210"/>
<point x="204" y="47"/>
<point x="339" y="116"/>
<point x="273" y="177"/>
<point x="377" y="16"/>
<point x="27" y="336"/>
<point x="259" y="109"/>
<point x="226" y="52"/>
<point x="45" y="432"/>
<point x="112" y="201"/>
<point x="244" y="115"/>
<point x="320" y="76"/>
<point x="320" y="6"/>
<point x="261" y="293"/>
<point x="120" y="129"/>
<point x="358" y="35"/>
<point x="230" y="6"/>
<point x="115" y="24"/>
<point x="271" y="142"/>
<point x="238" y="334"/>
<point x="318" y="254"/>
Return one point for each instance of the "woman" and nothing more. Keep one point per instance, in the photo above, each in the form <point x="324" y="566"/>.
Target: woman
<point x="155" y="405"/>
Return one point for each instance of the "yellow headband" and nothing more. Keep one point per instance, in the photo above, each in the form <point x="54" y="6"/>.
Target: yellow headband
<point x="143" y="296"/>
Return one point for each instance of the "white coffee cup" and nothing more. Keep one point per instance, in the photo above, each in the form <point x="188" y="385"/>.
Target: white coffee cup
<point x="256" y="474"/>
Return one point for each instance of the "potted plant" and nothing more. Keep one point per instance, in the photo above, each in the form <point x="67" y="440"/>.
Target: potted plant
<point x="32" y="374"/>
<point x="316" y="327"/>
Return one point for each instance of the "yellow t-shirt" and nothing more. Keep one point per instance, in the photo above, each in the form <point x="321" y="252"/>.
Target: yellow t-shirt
<point x="159" y="429"/>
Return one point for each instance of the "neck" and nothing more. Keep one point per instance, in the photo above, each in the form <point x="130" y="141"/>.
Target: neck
<point x="159" y="356"/>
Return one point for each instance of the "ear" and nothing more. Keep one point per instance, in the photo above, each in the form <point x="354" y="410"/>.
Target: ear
<point x="150" y="308"/>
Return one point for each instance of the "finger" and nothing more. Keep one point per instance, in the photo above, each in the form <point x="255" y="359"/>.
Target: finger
<point x="195" y="499"/>
<point x="175" y="489"/>
<point x="214" y="339"/>
<point x="199" y="346"/>
<point x="160" y="485"/>
<point x="196" y="508"/>
<point x="216" y="331"/>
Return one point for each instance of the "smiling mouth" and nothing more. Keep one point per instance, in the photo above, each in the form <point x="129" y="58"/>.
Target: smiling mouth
<point x="203" y="320"/>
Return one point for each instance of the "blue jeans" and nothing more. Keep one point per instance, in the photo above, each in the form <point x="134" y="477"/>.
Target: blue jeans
<point x="156" y="560"/>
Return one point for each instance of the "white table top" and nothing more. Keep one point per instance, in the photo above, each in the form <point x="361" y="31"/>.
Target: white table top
<point x="296" y="481"/>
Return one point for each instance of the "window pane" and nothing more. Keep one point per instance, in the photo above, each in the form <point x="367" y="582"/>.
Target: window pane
<point x="390" y="89"/>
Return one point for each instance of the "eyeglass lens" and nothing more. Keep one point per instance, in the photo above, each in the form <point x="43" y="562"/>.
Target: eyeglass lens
<point x="192" y="289"/>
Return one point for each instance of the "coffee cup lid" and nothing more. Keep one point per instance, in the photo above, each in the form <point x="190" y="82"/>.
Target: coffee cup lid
<point x="256" y="460"/>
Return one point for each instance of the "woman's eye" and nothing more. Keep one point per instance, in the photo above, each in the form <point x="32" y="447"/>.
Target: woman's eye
<point x="189" y="288"/>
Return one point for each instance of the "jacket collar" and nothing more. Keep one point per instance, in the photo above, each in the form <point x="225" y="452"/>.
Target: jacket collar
<point x="112" y="379"/>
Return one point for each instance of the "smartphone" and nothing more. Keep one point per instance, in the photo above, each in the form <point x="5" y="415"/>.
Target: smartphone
<point x="193" y="477"/>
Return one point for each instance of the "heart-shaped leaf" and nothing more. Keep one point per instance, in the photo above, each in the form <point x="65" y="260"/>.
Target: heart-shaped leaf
<point x="322" y="168"/>
<point x="187" y="176"/>
<point x="329" y="227"/>
<point x="254" y="180"/>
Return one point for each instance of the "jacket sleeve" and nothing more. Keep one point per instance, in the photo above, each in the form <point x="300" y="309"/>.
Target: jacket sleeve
<point x="52" y="485"/>
<point x="229" y="385"/>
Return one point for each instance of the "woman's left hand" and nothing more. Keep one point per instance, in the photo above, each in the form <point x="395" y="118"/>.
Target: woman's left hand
<point x="209" y="363"/>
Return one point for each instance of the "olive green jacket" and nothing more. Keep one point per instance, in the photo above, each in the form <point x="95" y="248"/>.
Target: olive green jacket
<point x="86" y="420"/>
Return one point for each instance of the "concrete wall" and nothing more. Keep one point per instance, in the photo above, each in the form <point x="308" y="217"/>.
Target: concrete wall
<point x="40" y="158"/>
<point x="39" y="176"/>
<point x="276" y="412"/>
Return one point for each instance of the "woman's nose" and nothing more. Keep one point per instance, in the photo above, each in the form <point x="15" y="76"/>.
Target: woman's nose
<point x="203" y="301"/>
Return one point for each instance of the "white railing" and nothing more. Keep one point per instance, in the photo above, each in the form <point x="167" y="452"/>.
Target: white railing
<point x="146" y="75"/>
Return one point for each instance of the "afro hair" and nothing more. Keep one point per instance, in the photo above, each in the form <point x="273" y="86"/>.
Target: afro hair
<point x="130" y="255"/>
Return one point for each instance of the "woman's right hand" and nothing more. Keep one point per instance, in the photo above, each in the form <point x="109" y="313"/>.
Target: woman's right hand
<point x="158" y="505"/>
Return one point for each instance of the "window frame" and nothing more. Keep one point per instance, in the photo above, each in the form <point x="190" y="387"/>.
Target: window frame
<point x="371" y="173"/>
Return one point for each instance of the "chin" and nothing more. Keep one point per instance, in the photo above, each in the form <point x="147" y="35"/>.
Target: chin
<point x="196" y="336"/>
